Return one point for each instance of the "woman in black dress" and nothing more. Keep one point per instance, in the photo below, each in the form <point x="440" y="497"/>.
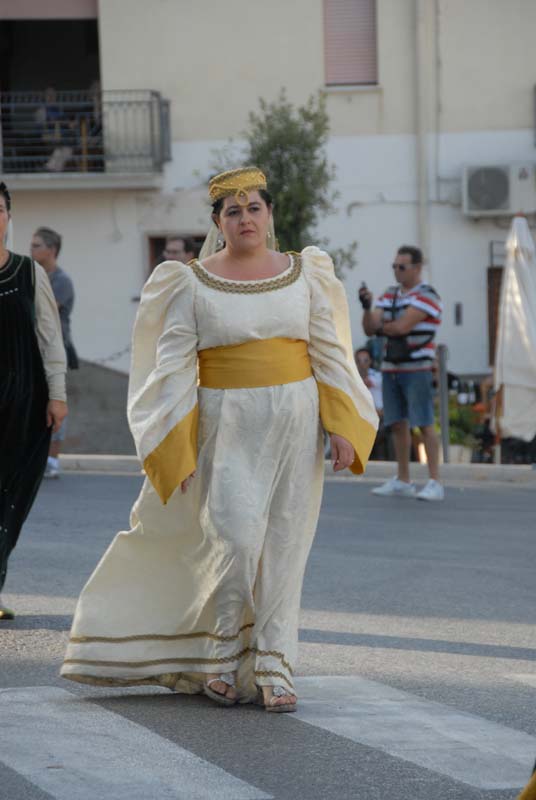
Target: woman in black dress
<point x="32" y="386"/>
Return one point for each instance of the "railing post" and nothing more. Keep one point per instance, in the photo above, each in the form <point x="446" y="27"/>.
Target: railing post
<point x="442" y="357"/>
<point x="153" y="129"/>
<point x="83" y="143"/>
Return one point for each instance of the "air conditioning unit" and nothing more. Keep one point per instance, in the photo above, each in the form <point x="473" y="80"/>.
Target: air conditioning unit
<point x="499" y="190"/>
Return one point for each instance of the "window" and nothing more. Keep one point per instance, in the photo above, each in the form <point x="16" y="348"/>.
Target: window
<point x="350" y="50"/>
<point x="157" y="243"/>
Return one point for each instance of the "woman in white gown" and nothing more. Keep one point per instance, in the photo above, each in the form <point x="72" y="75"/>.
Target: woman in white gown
<point x="239" y="362"/>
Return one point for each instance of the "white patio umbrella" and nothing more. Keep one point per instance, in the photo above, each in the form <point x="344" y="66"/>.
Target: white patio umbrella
<point x="515" y="361"/>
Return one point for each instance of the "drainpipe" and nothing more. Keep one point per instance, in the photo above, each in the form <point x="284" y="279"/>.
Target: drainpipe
<point x="421" y="87"/>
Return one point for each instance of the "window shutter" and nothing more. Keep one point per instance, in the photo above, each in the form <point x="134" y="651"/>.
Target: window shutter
<point x="350" y="42"/>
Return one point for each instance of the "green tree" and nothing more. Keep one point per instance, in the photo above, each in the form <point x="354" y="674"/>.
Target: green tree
<point x="289" y="144"/>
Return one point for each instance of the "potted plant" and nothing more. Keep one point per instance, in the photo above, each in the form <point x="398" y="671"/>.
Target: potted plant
<point x="462" y="439"/>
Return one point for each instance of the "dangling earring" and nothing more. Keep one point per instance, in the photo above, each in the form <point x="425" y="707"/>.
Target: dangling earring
<point x="269" y="237"/>
<point x="220" y="241"/>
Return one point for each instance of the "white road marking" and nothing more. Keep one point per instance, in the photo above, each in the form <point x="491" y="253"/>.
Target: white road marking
<point x="528" y="678"/>
<point x="75" y="750"/>
<point x="463" y="746"/>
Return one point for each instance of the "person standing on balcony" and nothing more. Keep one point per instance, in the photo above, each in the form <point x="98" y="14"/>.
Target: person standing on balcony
<point x="32" y="386"/>
<point x="45" y="248"/>
<point x="408" y="315"/>
<point x="203" y="594"/>
<point x="55" y="130"/>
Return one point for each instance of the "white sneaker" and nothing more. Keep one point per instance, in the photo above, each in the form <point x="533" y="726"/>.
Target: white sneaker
<point x="395" y="488"/>
<point x="52" y="470"/>
<point x="432" y="491"/>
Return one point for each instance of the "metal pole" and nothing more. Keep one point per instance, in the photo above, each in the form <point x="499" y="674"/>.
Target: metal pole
<point x="422" y="92"/>
<point x="442" y="356"/>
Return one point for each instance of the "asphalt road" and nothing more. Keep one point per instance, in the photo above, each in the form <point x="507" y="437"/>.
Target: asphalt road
<point x="417" y="662"/>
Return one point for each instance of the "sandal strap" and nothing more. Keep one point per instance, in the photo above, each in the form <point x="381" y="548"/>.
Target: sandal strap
<point x="225" y="677"/>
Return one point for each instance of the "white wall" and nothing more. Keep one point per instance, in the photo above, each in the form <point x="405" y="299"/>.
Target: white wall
<point x="101" y="252"/>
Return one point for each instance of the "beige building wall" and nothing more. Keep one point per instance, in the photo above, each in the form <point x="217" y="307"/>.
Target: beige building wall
<point x="213" y="60"/>
<point x="488" y="64"/>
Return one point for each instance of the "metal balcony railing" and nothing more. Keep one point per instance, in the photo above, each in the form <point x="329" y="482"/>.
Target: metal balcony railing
<point x="123" y="132"/>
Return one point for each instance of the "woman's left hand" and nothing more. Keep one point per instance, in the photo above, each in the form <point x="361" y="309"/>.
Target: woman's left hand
<point x="342" y="452"/>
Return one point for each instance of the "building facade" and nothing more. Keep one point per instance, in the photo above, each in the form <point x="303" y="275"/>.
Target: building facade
<point x="416" y="91"/>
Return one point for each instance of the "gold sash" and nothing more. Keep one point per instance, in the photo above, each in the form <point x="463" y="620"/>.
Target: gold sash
<point x="261" y="362"/>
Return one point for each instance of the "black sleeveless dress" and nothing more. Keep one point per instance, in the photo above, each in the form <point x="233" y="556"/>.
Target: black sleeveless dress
<point x="24" y="436"/>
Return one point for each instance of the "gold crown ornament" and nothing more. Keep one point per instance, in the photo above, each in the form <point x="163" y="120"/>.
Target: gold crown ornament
<point x="238" y="182"/>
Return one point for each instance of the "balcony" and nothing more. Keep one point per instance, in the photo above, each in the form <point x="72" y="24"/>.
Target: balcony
<point x="75" y="140"/>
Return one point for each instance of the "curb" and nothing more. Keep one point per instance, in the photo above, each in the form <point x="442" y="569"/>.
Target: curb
<point x="449" y="473"/>
<point x="376" y="470"/>
<point x="100" y="463"/>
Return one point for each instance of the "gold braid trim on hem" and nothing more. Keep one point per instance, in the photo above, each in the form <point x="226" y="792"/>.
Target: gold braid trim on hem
<point x="91" y="680"/>
<point x="164" y="637"/>
<point x="264" y="673"/>
<point x="274" y="654"/>
<point x="155" y="662"/>
<point x="249" y="287"/>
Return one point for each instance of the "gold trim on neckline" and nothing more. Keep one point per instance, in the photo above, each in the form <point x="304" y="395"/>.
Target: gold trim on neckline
<point x="286" y="278"/>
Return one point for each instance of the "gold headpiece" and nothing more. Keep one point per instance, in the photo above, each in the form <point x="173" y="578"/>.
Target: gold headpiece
<point x="238" y="182"/>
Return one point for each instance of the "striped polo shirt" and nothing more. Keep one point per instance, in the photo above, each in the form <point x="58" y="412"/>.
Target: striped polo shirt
<point x="421" y="337"/>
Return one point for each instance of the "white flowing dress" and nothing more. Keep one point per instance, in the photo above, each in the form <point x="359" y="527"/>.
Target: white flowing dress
<point x="210" y="581"/>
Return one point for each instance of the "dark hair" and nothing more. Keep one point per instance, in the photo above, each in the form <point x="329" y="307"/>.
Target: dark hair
<point x="189" y="244"/>
<point x="7" y="197"/>
<point x="50" y="238"/>
<point x="363" y="350"/>
<point x="218" y="205"/>
<point x="410" y="250"/>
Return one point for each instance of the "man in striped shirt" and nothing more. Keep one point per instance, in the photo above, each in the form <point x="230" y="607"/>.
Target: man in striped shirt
<point x="408" y="315"/>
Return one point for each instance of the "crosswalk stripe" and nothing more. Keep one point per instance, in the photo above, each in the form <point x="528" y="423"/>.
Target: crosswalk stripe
<point x="463" y="746"/>
<point x="75" y="750"/>
<point x="528" y="678"/>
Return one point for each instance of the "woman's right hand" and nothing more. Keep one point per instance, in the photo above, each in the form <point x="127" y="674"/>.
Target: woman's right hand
<point x="186" y="482"/>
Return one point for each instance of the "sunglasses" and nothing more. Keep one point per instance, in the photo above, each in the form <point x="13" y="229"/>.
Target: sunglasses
<point x="402" y="267"/>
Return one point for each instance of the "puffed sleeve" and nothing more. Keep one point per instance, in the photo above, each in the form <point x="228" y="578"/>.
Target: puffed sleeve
<point x="49" y="338"/>
<point x="346" y="405"/>
<point x="162" y="393"/>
